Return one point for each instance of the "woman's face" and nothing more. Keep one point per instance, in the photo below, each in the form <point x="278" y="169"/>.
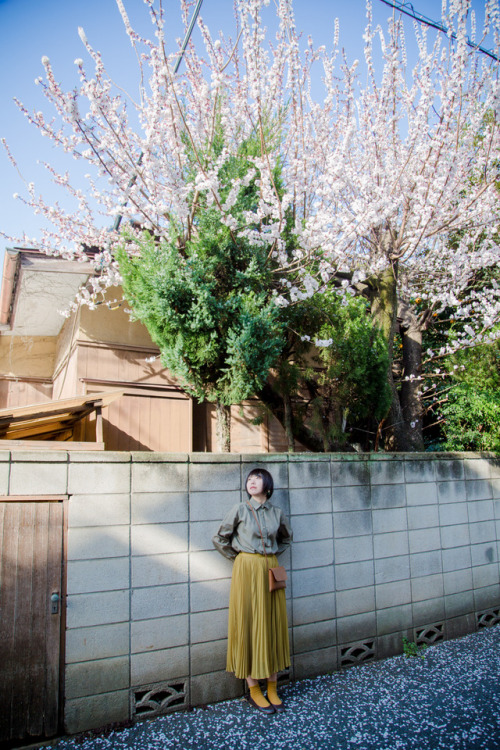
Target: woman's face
<point x="255" y="486"/>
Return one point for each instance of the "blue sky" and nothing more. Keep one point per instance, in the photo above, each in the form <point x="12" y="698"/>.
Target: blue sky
<point x="30" y="29"/>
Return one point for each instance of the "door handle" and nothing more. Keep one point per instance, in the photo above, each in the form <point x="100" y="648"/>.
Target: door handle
<point x="54" y="599"/>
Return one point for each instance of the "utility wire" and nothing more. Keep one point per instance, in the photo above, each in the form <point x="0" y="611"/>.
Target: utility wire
<point x="189" y="31"/>
<point x="409" y="10"/>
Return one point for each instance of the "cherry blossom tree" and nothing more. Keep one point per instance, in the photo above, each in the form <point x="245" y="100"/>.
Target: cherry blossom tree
<point x="388" y="176"/>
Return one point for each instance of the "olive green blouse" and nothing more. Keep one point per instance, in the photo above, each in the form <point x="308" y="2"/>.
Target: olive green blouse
<point x="239" y="531"/>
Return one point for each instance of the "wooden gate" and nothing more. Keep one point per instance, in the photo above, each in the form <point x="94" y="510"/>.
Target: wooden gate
<point x="31" y="557"/>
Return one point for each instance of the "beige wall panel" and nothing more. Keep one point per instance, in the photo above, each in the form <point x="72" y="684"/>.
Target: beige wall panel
<point x="113" y="325"/>
<point x="245" y="436"/>
<point x="23" y="356"/>
<point x="22" y="393"/>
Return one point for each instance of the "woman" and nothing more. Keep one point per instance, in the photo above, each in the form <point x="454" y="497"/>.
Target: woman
<point x="252" y="534"/>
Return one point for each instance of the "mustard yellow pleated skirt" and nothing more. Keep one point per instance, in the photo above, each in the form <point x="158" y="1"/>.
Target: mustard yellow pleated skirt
<point x="257" y="628"/>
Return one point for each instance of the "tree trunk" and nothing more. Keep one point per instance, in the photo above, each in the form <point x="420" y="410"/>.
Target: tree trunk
<point x="288" y="417"/>
<point x="223" y="427"/>
<point x="383" y="298"/>
<point x="411" y="406"/>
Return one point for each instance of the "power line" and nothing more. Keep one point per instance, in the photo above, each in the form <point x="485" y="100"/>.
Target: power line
<point x="409" y="10"/>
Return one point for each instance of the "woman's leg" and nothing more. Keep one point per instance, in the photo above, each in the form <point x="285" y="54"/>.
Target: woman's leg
<point x="257" y="699"/>
<point x="272" y="692"/>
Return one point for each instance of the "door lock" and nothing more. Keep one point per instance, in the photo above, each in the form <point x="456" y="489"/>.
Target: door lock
<point x="54" y="602"/>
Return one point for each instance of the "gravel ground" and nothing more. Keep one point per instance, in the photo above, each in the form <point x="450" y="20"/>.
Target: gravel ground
<point x="448" y="700"/>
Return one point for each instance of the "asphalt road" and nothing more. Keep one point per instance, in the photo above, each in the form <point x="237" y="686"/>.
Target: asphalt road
<point x="448" y="700"/>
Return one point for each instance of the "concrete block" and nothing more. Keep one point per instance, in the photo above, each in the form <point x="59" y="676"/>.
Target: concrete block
<point x="453" y="514"/>
<point x="349" y="473"/>
<point x="313" y="581"/>
<point x="315" y="608"/>
<point x="456" y="627"/>
<point x="451" y="492"/>
<point x="208" y="657"/>
<point x="487" y="597"/>
<point x="392" y="594"/>
<point x="99" y="479"/>
<point x="160" y="570"/>
<point x="158" y="634"/>
<point x="99" y="510"/>
<point x="457" y="581"/>
<point x="390" y="644"/>
<point x="309" y="474"/>
<point x="394" y="619"/>
<point x="355" y="602"/>
<point x="348" y="550"/>
<point x="317" y="500"/>
<point x="214" y="687"/>
<point x="159" y="507"/>
<point x="356" y="497"/>
<point x="391" y="545"/>
<point x="428" y="611"/>
<point x="449" y="469"/>
<point x="312" y="527"/>
<point x="200" y="535"/>
<point x="427" y="587"/>
<point x="94" y="677"/>
<point x="456" y="559"/>
<point x="484" y="554"/>
<point x="210" y="595"/>
<point x="208" y="566"/>
<point x="280" y="499"/>
<point x="97" y="609"/>
<point x="4" y="475"/>
<point x="100" y="642"/>
<point x="477" y="468"/>
<point x="208" y="626"/>
<point x="385" y="521"/>
<point x="485" y="575"/>
<point x="98" y="542"/>
<point x="313" y="636"/>
<point x="478" y="489"/>
<point x="495" y="488"/>
<point x="386" y="472"/>
<point x="455" y="536"/>
<point x="354" y="575"/>
<point x="424" y="540"/>
<point x="86" y="576"/>
<point x="352" y="523"/>
<point x="485" y="531"/>
<point x="496" y="506"/>
<point x="160" y="601"/>
<point x="422" y="516"/>
<point x="158" y="538"/>
<point x="480" y="510"/>
<point x="421" y="494"/>
<point x="215" y="478"/>
<point x="494" y="467"/>
<point x="419" y="470"/>
<point x="92" y="712"/>
<point x="388" y="496"/>
<point x="425" y="564"/>
<point x="312" y="554"/>
<point x="356" y="628"/>
<point x="459" y="604"/>
<point x="212" y="506"/>
<point x="277" y="469"/>
<point x="217" y="458"/>
<point x="159" y="666"/>
<point x="38" y="478"/>
<point x="390" y="569"/>
<point x="159" y="477"/>
<point x="159" y="457"/>
<point x="313" y="663"/>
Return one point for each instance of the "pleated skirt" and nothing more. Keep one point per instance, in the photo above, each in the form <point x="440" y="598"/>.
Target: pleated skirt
<point x="257" y="628"/>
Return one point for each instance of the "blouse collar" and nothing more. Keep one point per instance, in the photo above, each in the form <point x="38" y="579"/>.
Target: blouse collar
<point x="255" y="503"/>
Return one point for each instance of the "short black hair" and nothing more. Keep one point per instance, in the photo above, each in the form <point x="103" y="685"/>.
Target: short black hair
<point x="267" y="481"/>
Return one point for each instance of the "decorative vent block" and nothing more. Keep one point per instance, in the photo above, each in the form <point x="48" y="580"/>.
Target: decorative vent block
<point x="488" y="618"/>
<point x="154" y="700"/>
<point x="429" y="634"/>
<point x="357" y="653"/>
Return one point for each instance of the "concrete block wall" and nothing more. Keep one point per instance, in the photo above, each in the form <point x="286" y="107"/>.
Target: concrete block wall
<point x="385" y="546"/>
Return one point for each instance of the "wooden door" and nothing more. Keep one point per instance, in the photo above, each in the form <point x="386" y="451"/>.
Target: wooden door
<point x="31" y="545"/>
